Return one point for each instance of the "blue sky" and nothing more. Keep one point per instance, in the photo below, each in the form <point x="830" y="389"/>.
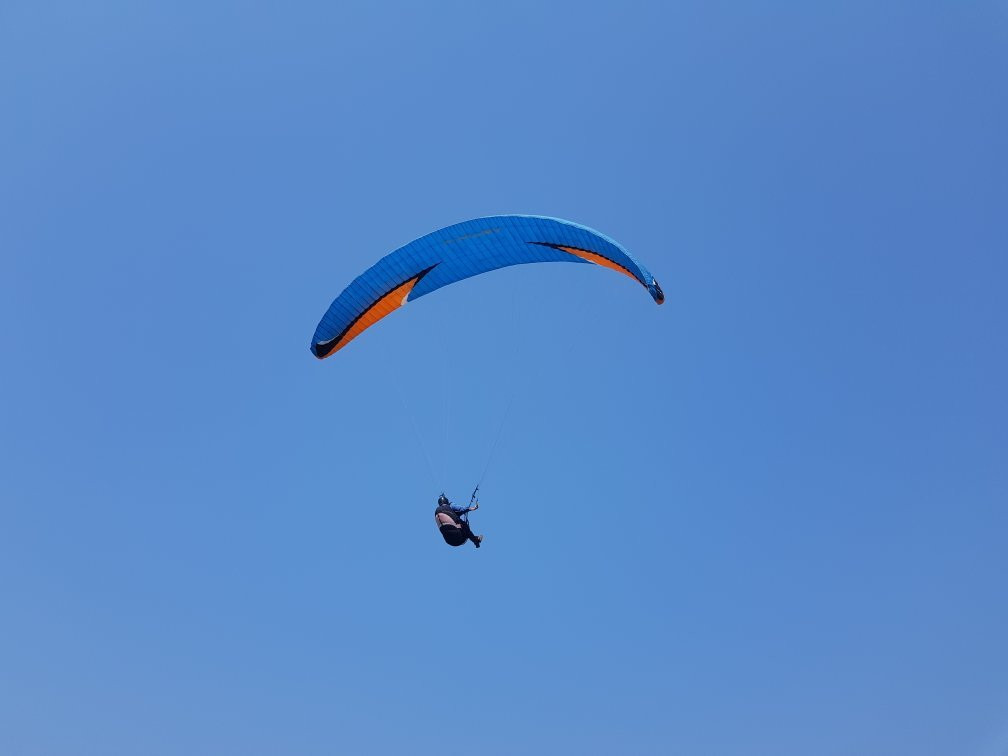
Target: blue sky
<point x="767" y="517"/>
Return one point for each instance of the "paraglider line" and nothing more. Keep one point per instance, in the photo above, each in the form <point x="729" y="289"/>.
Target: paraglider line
<point x="413" y="424"/>
<point x="493" y="448"/>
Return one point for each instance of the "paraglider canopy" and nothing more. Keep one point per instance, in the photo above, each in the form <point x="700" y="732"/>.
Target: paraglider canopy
<point x="460" y="251"/>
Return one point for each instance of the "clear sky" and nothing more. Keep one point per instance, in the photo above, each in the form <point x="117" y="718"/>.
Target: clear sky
<point x="768" y="517"/>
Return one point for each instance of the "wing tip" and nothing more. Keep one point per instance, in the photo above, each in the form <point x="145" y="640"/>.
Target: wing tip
<point x="319" y="355"/>
<point x="655" y="290"/>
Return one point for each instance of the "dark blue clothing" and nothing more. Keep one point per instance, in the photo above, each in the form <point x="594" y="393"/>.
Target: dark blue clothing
<point x="456" y="513"/>
<point x="456" y="536"/>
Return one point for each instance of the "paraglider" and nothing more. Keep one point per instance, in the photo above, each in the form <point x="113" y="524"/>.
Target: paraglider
<point x="452" y="254"/>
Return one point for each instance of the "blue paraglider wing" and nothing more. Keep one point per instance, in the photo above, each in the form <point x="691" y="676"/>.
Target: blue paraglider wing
<point x="460" y="251"/>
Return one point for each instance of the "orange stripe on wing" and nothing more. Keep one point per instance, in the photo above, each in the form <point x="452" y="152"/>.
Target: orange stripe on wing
<point x="593" y="257"/>
<point x="596" y="258"/>
<point x="384" y="305"/>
